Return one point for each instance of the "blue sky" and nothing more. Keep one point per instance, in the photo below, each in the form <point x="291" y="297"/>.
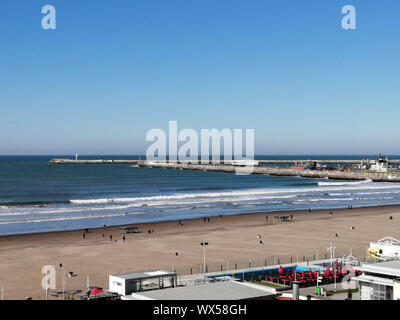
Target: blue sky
<point x="112" y="70"/>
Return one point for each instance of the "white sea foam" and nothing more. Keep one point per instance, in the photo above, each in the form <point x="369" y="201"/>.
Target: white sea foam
<point x="345" y="183"/>
<point x="63" y="218"/>
<point x="231" y="201"/>
<point x="251" y="194"/>
<point x="335" y="199"/>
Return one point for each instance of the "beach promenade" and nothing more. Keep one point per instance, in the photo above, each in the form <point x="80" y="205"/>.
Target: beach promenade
<point x="232" y="239"/>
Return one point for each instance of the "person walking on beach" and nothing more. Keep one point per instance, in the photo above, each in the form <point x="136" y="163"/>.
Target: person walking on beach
<point x="123" y="239"/>
<point x="111" y="237"/>
<point x="83" y="236"/>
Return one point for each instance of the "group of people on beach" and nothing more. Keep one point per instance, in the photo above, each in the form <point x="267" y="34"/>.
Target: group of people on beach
<point x="111" y="237"/>
<point x="207" y="219"/>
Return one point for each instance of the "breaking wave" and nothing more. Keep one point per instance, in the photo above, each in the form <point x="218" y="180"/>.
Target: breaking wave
<point x="345" y="183"/>
<point x="95" y="212"/>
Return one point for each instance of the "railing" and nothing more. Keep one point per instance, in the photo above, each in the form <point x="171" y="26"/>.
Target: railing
<point x="230" y="265"/>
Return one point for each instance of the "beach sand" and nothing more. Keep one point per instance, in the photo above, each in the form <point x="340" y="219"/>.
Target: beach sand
<point x="232" y="238"/>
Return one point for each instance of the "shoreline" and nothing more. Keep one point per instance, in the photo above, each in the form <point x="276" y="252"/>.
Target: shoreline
<point x="232" y="240"/>
<point x="117" y="226"/>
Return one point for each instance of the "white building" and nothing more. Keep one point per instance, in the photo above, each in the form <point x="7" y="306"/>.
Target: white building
<point x="128" y="283"/>
<point x="385" y="249"/>
<point x="379" y="165"/>
<point x="379" y="281"/>
<point x="241" y="162"/>
<point x="224" y="290"/>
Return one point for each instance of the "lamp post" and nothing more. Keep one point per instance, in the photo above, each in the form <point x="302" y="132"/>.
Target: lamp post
<point x="179" y="261"/>
<point x="331" y="250"/>
<point x="204" y="245"/>
<point x="87" y="282"/>
<point x="62" y="280"/>
<point x="262" y="251"/>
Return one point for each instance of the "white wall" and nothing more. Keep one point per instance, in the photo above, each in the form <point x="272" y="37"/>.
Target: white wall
<point x="396" y="290"/>
<point x="116" y="284"/>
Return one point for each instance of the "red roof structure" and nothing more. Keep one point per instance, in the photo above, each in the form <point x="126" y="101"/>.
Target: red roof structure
<point x="95" y="291"/>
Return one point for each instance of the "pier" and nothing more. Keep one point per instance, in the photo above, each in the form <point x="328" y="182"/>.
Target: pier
<point x="391" y="176"/>
<point x="319" y="174"/>
<point x="96" y="161"/>
<point x="263" y="161"/>
<point x="332" y="161"/>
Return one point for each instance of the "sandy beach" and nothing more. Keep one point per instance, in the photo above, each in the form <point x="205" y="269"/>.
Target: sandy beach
<point x="232" y="239"/>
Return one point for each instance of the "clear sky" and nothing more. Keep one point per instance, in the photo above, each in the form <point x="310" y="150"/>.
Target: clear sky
<point x="112" y="70"/>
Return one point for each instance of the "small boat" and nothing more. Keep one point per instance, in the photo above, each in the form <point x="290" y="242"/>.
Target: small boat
<point x="324" y="167"/>
<point x="310" y="165"/>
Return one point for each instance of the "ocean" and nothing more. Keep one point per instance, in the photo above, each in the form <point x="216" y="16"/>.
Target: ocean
<point x="38" y="197"/>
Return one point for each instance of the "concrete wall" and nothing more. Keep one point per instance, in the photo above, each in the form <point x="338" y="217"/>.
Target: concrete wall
<point x="396" y="290"/>
<point x="113" y="285"/>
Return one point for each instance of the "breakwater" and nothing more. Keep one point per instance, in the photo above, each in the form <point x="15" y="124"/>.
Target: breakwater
<point x="320" y="174"/>
<point x="272" y="162"/>
<point x="393" y="176"/>
<point x="95" y="161"/>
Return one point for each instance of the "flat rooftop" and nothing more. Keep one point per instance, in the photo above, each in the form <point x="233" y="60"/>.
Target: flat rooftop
<point x="145" y="275"/>
<point x="225" y="290"/>
<point x="391" y="268"/>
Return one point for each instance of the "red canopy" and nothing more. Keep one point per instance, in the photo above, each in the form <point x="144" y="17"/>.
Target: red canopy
<point x="95" y="291"/>
<point x="328" y="270"/>
<point x="283" y="298"/>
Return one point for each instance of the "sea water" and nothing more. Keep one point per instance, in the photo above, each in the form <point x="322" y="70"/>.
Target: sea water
<point x="38" y="197"/>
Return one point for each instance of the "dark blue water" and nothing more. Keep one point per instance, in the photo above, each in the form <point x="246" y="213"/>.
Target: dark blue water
<point x="37" y="197"/>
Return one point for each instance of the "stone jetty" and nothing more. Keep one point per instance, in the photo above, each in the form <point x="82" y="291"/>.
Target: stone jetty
<point x="319" y="174"/>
